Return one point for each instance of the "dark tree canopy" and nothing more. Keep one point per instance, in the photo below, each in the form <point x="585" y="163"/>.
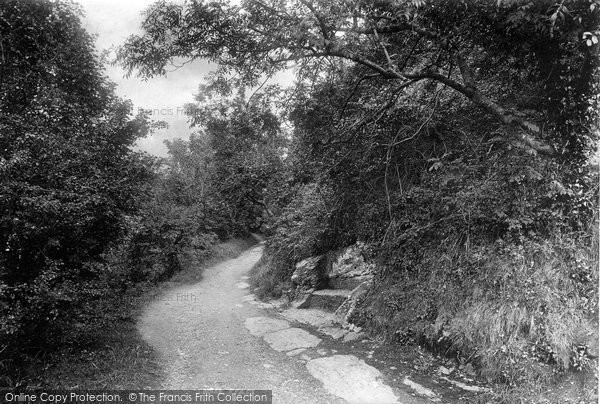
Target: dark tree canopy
<point x="484" y="50"/>
<point x="68" y="175"/>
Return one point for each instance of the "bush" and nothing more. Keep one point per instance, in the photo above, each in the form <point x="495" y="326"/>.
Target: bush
<point x="517" y="312"/>
<point x="301" y="231"/>
<point x="536" y="302"/>
<point x="68" y="175"/>
<point x="270" y="278"/>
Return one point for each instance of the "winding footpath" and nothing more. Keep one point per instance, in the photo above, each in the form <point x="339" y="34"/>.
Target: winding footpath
<point x="213" y="335"/>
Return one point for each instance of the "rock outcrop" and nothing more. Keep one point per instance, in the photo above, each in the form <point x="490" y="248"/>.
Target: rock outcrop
<point x="334" y="283"/>
<point x="310" y="273"/>
<point x="344" y="269"/>
<point x="348" y="269"/>
<point x="347" y="309"/>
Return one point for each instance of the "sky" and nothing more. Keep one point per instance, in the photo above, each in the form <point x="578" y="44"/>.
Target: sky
<point x="112" y="21"/>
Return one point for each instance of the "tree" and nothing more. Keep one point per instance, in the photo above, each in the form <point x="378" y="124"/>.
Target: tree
<point x="181" y="216"/>
<point x="248" y="145"/>
<point x="450" y="214"/>
<point x="214" y="186"/>
<point x="452" y="137"/>
<point x="68" y="175"/>
<point x="469" y="47"/>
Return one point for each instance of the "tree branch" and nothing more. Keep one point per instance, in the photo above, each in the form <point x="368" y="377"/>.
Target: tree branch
<point x="319" y="17"/>
<point x="496" y="110"/>
<point x="355" y="87"/>
<point x="387" y="55"/>
<point x="392" y="29"/>
<point x="469" y="91"/>
<point x="385" y="73"/>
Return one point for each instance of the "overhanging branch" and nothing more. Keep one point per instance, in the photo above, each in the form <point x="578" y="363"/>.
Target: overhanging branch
<point x="496" y="110"/>
<point x="527" y="131"/>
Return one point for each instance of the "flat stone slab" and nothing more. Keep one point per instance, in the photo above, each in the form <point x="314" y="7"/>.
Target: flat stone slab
<point x="332" y="292"/>
<point x="334" y="332"/>
<point x="296" y="352"/>
<point x="249" y="299"/>
<point x="424" y="391"/>
<point x="328" y="299"/>
<point x="352" y="379"/>
<point x="291" y="339"/>
<point x="464" y="386"/>
<point x="259" y="326"/>
<point x="354" y="336"/>
<point x="302" y="301"/>
<point x="314" y="317"/>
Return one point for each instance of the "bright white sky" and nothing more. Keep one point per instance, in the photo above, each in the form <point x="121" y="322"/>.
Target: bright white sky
<point x="113" y="21"/>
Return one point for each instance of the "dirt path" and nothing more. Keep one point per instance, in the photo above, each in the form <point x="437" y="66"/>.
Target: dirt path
<point x="209" y="336"/>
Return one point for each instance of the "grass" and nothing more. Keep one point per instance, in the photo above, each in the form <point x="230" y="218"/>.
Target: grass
<point x="100" y="357"/>
<point x="120" y="360"/>
<point x="526" y="324"/>
<point x="269" y="278"/>
<point x="114" y="357"/>
<point x="522" y="316"/>
<point x="580" y="388"/>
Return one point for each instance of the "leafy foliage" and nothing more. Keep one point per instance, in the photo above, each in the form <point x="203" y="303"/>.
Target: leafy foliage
<point x="452" y="216"/>
<point x="213" y="187"/>
<point x="465" y="48"/>
<point x="453" y="138"/>
<point x="68" y="177"/>
<point x="247" y="144"/>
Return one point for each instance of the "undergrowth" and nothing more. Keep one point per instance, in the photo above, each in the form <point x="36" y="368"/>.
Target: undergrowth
<point x="299" y="233"/>
<point x="526" y="317"/>
<point x="109" y="351"/>
<point x="520" y="306"/>
<point x="269" y="278"/>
